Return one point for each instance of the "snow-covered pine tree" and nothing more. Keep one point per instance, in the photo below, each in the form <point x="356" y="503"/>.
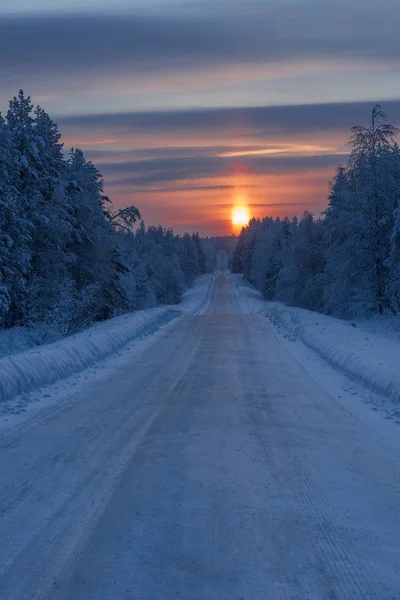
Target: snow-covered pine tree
<point x="122" y="218"/>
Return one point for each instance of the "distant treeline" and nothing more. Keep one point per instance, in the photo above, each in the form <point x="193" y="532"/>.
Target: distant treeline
<point x="211" y="246"/>
<point x="348" y="262"/>
<point x="68" y="257"/>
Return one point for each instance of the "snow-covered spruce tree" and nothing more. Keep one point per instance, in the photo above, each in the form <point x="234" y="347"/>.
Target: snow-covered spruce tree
<point x="189" y="258"/>
<point x="135" y="280"/>
<point x="311" y="254"/>
<point x="15" y="235"/>
<point x="281" y="233"/>
<point x="262" y="241"/>
<point x="162" y="255"/>
<point x="251" y="256"/>
<point x="237" y="266"/>
<point x="248" y="242"/>
<point x="337" y="217"/>
<point x="201" y="266"/>
<point x="94" y="270"/>
<point x="56" y="224"/>
<point x="43" y="203"/>
<point x="359" y="222"/>
<point x="300" y="278"/>
<point x="393" y="261"/>
<point x="289" y="282"/>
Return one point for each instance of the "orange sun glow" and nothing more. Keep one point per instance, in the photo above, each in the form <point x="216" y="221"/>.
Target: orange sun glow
<point x="240" y="215"/>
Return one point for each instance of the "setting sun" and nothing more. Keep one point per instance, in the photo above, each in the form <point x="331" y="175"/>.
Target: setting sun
<point x="240" y="216"/>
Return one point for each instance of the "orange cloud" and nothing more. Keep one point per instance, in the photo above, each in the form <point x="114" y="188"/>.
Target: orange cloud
<point x="82" y="143"/>
<point x="272" y="195"/>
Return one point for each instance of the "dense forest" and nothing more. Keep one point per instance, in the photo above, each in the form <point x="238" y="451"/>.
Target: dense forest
<point x="347" y="262"/>
<point x="67" y="256"/>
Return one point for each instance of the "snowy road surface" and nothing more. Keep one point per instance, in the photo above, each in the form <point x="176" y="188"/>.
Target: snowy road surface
<point x="211" y="467"/>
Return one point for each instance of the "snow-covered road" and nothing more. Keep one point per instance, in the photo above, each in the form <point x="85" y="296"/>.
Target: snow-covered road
<point x="211" y="467"/>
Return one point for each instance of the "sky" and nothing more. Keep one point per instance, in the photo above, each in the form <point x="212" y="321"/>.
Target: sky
<point x="191" y="107"/>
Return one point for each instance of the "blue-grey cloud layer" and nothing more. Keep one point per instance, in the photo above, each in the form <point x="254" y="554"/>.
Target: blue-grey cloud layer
<point x="254" y="32"/>
<point x="151" y="172"/>
<point x="266" y="120"/>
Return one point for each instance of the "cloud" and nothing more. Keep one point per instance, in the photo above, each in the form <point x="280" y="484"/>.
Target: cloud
<point x="187" y="187"/>
<point x="263" y="121"/>
<point x="101" y="156"/>
<point x="155" y="172"/>
<point x="263" y="32"/>
<point x="259" y="205"/>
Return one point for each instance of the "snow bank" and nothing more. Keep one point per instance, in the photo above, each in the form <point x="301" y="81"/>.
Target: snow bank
<point x="249" y="298"/>
<point x="197" y="298"/>
<point x="44" y="365"/>
<point x="365" y="350"/>
<point x="367" y="357"/>
<point x="47" y="364"/>
<point x="20" y="339"/>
